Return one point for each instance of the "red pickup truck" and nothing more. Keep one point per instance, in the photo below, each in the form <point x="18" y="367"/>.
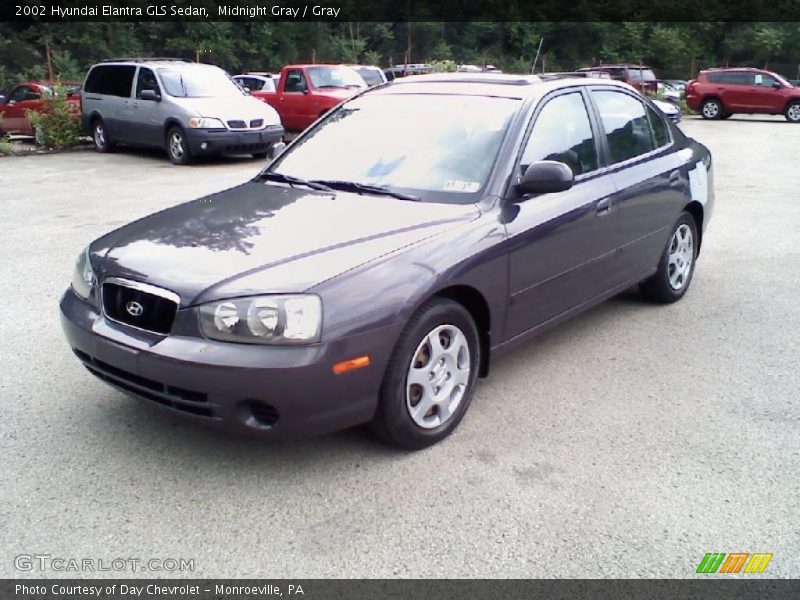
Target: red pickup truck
<point x="28" y="96"/>
<point x="306" y="92"/>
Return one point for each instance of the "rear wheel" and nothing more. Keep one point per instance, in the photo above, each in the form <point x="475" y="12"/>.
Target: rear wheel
<point x="177" y="149"/>
<point x="792" y="112"/>
<point x="676" y="266"/>
<point x="430" y="379"/>
<point x="711" y="109"/>
<point x="102" y="141"/>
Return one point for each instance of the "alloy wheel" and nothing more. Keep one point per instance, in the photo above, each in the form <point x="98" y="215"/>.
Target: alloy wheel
<point x="176" y="145"/>
<point x="710" y="110"/>
<point x="794" y="113"/>
<point x="681" y="256"/>
<point x="99" y="136"/>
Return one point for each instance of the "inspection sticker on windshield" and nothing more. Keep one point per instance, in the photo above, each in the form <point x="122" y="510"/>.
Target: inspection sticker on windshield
<point x="454" y="185"/>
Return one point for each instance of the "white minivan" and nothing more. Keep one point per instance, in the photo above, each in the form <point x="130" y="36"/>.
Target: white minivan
<point x="189" y="109"/>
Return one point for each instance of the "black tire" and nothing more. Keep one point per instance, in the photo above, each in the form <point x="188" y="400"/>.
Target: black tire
<point x="393" y="421"/>
<point x="792" y="112"/>
<point x="711" y="109"/>
<point x="177" y="148"/>
<point x="659" y="287"/>
<point x="724" y="116"/>
<point x="260" y="155"/>
<point x="102" y="140"/>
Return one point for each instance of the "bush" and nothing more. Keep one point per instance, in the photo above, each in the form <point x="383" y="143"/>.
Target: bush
<point x="56" y="126"/>
<point x="5" y="139"/>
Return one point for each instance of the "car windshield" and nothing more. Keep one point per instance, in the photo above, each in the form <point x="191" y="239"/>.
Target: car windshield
<point x="198" y="83"/>
<point x="338" y="77"/>
<point x="441" y="148"/>
<point x="642" y="74"/>
<point x="370" y="76"/>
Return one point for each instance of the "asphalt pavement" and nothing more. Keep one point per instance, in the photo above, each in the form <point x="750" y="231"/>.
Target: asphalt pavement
<point x="626" y="443"/>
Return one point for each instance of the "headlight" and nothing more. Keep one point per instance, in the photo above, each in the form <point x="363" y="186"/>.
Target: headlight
<point x="206" y="123"/>
<point x="295" y="319"/>
<point x="83" y="276"/>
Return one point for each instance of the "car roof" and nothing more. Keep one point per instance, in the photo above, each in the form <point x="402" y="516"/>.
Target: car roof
<point x="490" y="84"/>
<point x="736" y="69"/>
<point x="156" y="62"/>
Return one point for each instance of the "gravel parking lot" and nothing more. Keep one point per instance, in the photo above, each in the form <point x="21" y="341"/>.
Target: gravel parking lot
<point x="627" y="443"/>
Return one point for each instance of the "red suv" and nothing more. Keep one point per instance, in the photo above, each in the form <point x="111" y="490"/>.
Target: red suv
<point x="719" y="93"/>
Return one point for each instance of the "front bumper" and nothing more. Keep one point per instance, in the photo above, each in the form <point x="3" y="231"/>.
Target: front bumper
<point x="219" y="141"/>
<point x="273" y="391"/>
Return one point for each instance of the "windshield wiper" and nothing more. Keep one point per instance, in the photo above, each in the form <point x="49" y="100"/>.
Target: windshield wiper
<point x="364" y="188"/>
<point x="281" y="178"/>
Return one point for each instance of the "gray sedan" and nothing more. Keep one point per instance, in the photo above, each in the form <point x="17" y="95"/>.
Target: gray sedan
<point x="376" y="267"/>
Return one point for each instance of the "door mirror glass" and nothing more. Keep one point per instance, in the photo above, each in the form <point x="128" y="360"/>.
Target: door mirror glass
<point x="777" y="85"/>
<point x="545" y="177"/>
<point x="149" y="95"/>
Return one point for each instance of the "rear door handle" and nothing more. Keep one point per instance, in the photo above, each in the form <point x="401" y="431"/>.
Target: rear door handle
<point x="603" y="207"/>
<point x="675" y="177"/>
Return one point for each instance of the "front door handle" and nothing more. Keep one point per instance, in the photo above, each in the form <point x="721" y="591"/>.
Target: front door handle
<point x="603" y="207"/>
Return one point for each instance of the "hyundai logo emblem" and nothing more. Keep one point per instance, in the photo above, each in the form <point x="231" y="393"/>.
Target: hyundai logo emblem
<point x="134" y="308"/>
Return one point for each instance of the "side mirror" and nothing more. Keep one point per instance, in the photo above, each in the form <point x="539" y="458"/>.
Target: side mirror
<point x="545" y="177"/>
<point x="276" y="150"/>
<point x="776" y="85"/>
<point x="149" y="95"/>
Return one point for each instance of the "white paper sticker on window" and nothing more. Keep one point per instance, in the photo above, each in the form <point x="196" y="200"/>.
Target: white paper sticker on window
<point x="698" y="182"/>
<point x="454" y="185"/>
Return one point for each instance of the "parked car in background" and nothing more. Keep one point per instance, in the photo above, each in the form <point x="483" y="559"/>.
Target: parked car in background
<point x="373" y="278"/>
<point x="639" y="76"/>
<point x="406" y="70"/>
<point x="28" y="96"/>
<point x="189" y="109"/>
<point x="671" y="111"/>
<point x="306" y="92"/>
<point x="720" y="93"/>
<point x="371" y="74"/>
<point x="568" y="74"/>
<point x="668" y="92"/>
<point x="678" y="84"/>
<point x="256" y="82"/>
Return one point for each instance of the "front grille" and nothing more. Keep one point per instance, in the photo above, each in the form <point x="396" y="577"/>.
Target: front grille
<point x="168" y="395"/>
<point x="237" y="124"/>
<point x="256" y="123"/>
<point x="138" y="308"/>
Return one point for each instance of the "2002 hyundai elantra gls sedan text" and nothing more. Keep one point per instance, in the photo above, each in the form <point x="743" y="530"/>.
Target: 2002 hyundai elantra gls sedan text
<point x="374" y="269"/>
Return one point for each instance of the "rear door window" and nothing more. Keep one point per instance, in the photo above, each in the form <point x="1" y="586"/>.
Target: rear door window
<point x="111" y="80"/>
<point x="625" y="123"/>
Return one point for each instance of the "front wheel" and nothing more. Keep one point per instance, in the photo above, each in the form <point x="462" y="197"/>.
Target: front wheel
<point x="726" y="115"/>
<point x="792" y="112"/>
<point x="260" y="155"/>
<point x="676" y="265"/>
<point x="177" y="150"/>
<point x="430" y="379"/>
<point x="711" y="109"/>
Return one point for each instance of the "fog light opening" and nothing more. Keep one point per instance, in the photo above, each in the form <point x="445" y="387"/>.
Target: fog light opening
<point x="204" y="146"/>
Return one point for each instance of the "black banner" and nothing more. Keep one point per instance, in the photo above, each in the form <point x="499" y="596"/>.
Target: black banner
<point x="712" y="588"/>
<point x="55" y="11"/>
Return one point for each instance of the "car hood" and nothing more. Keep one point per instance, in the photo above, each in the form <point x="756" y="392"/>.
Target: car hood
<point x="231" y="108"/>
<point x="265" y="237"/>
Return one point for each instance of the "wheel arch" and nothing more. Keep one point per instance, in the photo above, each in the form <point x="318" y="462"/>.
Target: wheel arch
<point x="476" y="305"/>
<point x="790" y="101"/>
<point x="708" y="97"/>
<point x="695" y="209"/>
<point x="169" y="124"/>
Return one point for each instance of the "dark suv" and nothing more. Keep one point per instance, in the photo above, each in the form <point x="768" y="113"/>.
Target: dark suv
<point x="639" y="76"/>
<point x="719" y="93"/>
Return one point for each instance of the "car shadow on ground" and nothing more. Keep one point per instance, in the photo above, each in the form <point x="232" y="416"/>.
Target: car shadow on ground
<point x="157" y="154"/>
